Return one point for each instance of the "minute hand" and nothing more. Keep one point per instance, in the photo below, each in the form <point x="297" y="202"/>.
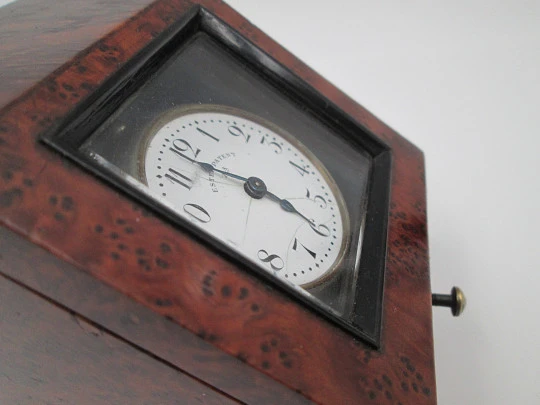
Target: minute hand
<point x="286" y="205"/>
<point x="321" y="229"/>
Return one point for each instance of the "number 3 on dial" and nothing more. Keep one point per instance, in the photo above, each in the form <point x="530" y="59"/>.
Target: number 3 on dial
<point x="215" y="160"/>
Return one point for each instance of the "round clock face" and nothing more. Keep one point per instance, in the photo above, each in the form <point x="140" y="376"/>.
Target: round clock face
<point x="250" y="185"/>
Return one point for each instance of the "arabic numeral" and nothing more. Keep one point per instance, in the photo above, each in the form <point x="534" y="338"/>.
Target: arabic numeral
<point x="274" y="260"/>
<point x="274" y="145"/>
<point x="207" y="134"/>
<point x="320" y="229"/>
<point x="179" y="178"/>
<point x="235" y="131"/>
<point x="184" y="146"/>
<point x="295" y="246"/>
<point x="197" y="212"/>
<point x="317" y="199"/>
<point x="301" y="169"/>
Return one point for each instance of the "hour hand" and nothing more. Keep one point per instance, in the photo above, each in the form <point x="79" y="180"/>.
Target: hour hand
<point x="207" y="167"/>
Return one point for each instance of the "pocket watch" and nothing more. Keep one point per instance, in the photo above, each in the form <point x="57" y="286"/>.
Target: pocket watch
<point x="252" y="186"/>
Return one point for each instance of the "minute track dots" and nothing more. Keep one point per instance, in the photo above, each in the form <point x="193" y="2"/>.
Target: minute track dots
<point x="205" y="166"/>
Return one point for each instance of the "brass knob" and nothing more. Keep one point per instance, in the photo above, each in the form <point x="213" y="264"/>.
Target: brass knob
<point x="456" y="301"/>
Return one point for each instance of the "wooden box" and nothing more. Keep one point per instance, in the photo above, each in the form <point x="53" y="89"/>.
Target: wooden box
<point x="104" y="301"/>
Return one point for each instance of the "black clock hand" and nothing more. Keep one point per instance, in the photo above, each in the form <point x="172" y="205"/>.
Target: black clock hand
<point x="321" y="229"/>
<point x="286" y="205"/>
<point x="256" y="188"/>
<point x="209" y="168"/>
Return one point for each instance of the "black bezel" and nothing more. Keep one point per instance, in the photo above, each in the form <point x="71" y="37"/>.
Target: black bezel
<point x="366" y="318"/>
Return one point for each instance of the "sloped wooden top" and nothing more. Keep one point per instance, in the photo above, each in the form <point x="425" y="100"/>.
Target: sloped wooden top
<point x="58" y="206"/>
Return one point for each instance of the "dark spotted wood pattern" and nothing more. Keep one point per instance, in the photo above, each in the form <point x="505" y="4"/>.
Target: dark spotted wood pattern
<point x="57" y="205"/>
<point x="97" y="303"/>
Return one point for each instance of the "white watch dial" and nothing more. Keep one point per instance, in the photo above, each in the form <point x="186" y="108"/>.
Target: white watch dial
<point x="251" y="186"/>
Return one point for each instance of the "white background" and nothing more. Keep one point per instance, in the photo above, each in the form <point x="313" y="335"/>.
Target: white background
<point x="460" y="79"/>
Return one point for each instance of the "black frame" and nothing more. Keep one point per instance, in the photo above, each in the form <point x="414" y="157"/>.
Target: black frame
<point x="366" y="318"/>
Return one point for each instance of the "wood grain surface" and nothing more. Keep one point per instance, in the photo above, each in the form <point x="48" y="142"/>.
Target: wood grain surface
<point x="57" y="205"/>
<point x="51" y="356"/>
<point x="87" y="298"/>
<point x="36" y="37"/>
